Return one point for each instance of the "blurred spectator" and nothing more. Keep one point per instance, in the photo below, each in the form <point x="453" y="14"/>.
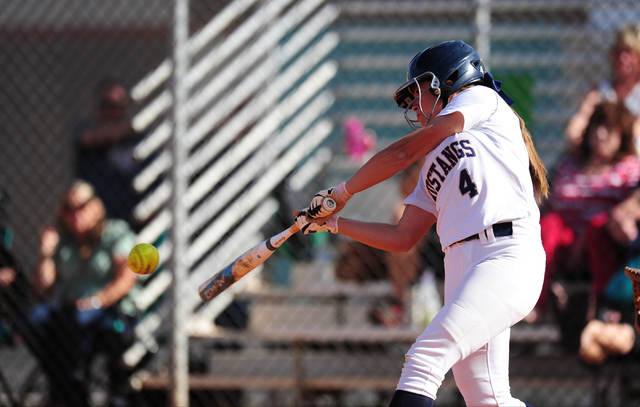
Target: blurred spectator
<point x="359" y="142"/>
<point x="83" y="274"/>
<point x="585" y="189"/>
<point x="104" y="145"/>
<point x="612" y="331"/>
<point x="624" y="86"/>
<point x="358" y="263"/>
<point x="14" y="285"/>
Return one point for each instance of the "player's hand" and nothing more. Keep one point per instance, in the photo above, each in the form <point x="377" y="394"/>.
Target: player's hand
<point x="308" y="225"/>
<point x="622" y="225"/>
<point x="7" y="276"/>
<point x="338" y="193"/>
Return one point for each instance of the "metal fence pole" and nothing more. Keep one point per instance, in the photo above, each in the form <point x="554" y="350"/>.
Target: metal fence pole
<point x="180" y="368"/>
<point x="483" y="31"/>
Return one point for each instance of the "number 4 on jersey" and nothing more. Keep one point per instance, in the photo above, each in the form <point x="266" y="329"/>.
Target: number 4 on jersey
<point x="466" y="185"/>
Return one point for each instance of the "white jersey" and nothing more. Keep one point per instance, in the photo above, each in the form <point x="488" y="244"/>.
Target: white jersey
<point x="480" y="176"/>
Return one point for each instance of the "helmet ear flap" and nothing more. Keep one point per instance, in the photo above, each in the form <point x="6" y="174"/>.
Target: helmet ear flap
<point x="446" y="89"/>
<point x="445" y="97"/>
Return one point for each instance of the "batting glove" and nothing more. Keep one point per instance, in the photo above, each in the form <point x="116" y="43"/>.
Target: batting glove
<point x="331" y="225"/>
<point x="338" y="193"/>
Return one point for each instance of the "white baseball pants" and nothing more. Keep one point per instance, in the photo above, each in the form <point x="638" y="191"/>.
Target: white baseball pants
<point x="488" y="288"/>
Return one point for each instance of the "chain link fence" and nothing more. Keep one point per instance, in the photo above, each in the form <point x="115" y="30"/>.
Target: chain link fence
<point x="285" y="97"/>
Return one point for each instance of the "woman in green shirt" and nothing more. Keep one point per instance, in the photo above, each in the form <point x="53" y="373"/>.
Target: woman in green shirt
<point x="83" y="274"/>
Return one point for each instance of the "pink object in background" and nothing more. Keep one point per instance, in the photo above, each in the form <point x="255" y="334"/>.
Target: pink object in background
<point x="358" y="141"/>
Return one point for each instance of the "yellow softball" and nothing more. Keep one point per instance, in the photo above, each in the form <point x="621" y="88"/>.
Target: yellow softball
<point x="143" y="259"/>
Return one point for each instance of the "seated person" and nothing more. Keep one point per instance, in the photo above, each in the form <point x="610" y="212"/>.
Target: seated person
<point x="83" y="274"/>
<point x="611" y="332"/>
<point x="585" y="188"/>
<point x="14" y="286"/>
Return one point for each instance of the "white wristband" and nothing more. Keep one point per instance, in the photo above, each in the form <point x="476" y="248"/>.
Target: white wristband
<point x="342" y="192"/>
<point x="332" y="225"/>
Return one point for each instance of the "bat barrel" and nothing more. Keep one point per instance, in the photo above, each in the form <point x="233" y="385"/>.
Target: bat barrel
<point x="243" y="265"/>
<point x="217" y="284"/>
<point x="250" y="260"/>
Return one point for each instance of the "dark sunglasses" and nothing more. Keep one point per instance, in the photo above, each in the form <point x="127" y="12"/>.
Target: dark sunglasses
<point x="68" y="208"/>
<point x="109" y="105"/>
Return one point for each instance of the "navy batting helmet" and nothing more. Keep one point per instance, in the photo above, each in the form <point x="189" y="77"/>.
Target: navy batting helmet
<point x="455" y="64"/>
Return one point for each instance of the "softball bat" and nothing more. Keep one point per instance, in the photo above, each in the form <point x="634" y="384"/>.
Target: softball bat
<point x="248" y="261"/>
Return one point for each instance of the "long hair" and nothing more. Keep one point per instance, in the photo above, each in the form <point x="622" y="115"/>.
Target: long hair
<point x="613" y="116"/>
<point x="537" y="170"/>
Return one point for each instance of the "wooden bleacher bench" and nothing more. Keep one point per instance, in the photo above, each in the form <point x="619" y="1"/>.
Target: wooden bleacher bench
<point x="210" y="382"/>
<point x="340" y="335"/>
<point x="536" y="333"/>
<point x="326" y="291"/>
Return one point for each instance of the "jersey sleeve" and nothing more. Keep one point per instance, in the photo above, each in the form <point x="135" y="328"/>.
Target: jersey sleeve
<point x="476" y="104"/>
<point x="421" y="198"/>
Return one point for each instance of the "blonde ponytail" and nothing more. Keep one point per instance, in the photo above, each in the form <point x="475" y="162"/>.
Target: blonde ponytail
<point x="537" y="169"/>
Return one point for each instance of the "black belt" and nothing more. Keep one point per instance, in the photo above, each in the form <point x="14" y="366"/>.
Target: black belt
<point x="499" y="230"/>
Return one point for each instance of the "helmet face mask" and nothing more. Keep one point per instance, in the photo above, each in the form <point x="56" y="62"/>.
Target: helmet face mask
<point x="410" y="113"/>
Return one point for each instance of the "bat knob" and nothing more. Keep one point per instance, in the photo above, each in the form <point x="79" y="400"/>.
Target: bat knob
<point x="329" y="204"/>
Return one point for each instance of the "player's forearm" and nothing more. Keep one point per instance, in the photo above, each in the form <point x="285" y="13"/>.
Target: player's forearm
<point x="44" y="276"/>
<point x="379" y="168"/>
<point x="118" y="288"/>
<point x="404" y="152"/>
<point x="379" y="235"/>
<point x="580" y="119"/>
<point x="629" y="209"/>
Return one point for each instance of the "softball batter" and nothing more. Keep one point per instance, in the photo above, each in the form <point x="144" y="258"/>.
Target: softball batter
<point x="480" y="181"/>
